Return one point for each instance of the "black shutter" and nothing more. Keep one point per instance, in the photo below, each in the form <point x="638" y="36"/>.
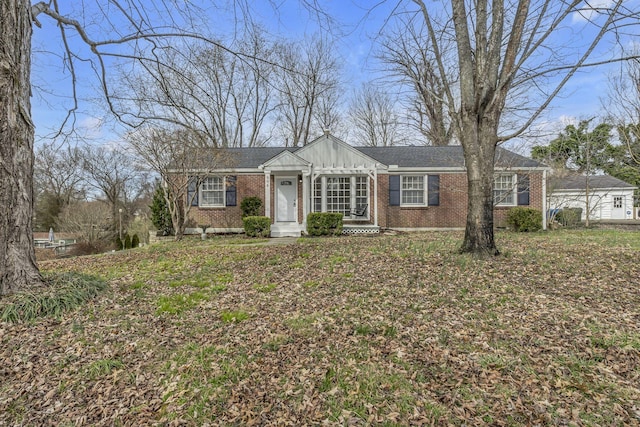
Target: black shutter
<point x="230" y="194"/>
<point x="523" y="190"/>
<point x="394" y="190"/>
<point x="433" y="188"/>
<point x="192" y="191"/>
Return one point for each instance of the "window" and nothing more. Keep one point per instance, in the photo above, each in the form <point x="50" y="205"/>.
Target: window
<point x="340" y="194"/>
<point x="362" y="191"/>
<point x="212" y="191"/>
<point x="617" y="202"/>
<point x="412" y="190"/>
<point x="317" y="195"/>
<point x="503" y="190"/>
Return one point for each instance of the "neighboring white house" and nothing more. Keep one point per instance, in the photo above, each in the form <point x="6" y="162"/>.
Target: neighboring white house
<point x="609" y="197"/>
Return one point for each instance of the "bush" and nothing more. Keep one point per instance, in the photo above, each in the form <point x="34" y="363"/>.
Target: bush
<point x="135" y="241"/>
<point x="251" y="206"/>
<point x="89" y="248"/>
<point x="127" y="241"/>
<point x="569" y="217"/>
<point x="118" y="243"/>
<point x="160" y="215"/>
<point x="257" y="226"/>
<point x="524" y="219"/>
<point x="324" y="224"/>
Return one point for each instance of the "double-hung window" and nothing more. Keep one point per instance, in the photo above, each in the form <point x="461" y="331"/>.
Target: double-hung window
<point x="212" y="191"/>
<point x="504" y="190"/>
<point x="412" y="190"/>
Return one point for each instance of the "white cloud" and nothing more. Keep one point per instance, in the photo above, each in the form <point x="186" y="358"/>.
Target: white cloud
<point x="589" y="10"/>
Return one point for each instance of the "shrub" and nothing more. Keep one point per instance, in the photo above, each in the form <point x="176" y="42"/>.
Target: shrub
<point x="257" y="226"/>
<point x="89" y="248"/>
<point x="127" y="241"/>
<point x="251" y="206"/>
<point x="524" y="219"/>
<point x="135" y="241"/>
<point x="324" y="224"/>
<point x="569" y="217"/>
<point x="118" y="243"/>
<point x="160" y="215"/>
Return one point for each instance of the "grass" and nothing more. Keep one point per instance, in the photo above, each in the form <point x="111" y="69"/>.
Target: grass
<point x="391" y="330"/>
<point x="64" y="292"/>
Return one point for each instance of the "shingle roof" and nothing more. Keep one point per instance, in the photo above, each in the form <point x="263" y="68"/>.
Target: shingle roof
<point x="402" y="156"/>
<point x="595" y="181"/>
<point x="440" y="157"/>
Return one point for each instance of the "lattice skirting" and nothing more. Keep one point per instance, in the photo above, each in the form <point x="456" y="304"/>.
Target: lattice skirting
<point x="361" y="230"/>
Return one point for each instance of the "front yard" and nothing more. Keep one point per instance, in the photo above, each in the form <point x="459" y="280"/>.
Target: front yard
<point x="386" y="330"/>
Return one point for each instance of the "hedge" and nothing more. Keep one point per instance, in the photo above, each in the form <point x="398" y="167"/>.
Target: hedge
<point x="257" y="226"/>
<point x="324" y="224"/>
<point x="524" y="219"/>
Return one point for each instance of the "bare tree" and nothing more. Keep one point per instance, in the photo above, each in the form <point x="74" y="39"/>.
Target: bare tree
<point x="623" y="106"/>
<point x="307" y="84"/>
<point x="90" y="222"/>
<point x="181" y="159"/>
<point x="374" y="116"/>
<point x="112" y="173"/>
<point x="58" y="181"/>
<point x="409" y="57"/>
<point x="122" y="31"/>
<point x="507" y="55"/>
<point x="221" y="94"/>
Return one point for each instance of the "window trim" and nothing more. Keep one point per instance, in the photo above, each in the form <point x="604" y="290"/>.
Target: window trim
<point x="353" y="198"/>
<point x="425" y="191"/>
<point x="222" y="191"/>
<point x="514" y="190"/>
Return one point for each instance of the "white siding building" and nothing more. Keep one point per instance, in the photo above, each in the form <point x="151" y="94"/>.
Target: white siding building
<point x="609" y="197"/>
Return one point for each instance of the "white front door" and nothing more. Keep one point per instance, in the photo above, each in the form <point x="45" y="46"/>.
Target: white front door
<point x="618" y="207"/>
<point x="286" y="195"/>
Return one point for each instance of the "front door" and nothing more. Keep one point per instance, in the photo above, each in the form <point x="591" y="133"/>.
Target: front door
<point x="286" y="195"/>
<point x="617" y="211"/>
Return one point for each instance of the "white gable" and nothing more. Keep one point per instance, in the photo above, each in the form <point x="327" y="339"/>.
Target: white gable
<point x="285" y="161"/>
<point x="330" y="152"/>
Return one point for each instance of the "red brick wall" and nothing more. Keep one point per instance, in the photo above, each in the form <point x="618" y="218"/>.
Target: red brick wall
<point x="535" y="200"/>
<point x="452" y="211"/>
<point x="230" y="216"/>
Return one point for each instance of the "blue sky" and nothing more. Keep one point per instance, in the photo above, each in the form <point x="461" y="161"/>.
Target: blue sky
<point x="52" y="91"/>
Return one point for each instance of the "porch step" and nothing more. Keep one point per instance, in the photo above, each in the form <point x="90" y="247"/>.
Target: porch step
<point x="285" y="230"/>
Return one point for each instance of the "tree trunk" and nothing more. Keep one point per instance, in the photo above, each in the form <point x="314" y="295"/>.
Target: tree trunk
<point x="479" y="152"/>
<point x="18" y="269"/>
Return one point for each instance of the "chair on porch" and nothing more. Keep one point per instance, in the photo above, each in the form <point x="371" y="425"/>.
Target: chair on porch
<point x="360" y="210"/>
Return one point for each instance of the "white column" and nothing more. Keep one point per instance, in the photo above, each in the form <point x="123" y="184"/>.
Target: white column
<point x="305" y="198"/>
<point x="375" y="196"/>
<point x="267" y="194"/>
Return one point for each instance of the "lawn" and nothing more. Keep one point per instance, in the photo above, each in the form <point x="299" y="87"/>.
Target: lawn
<point x="385" y="330"/>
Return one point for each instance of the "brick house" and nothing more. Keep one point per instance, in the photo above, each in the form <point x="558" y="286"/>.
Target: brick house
<point x="404" y="187"/>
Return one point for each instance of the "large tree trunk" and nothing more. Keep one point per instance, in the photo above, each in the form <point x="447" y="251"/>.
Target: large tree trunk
<point x="18" y="269"/>
<point x="479" y="144"/>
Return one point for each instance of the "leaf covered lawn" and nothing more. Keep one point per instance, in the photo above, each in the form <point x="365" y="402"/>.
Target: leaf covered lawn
<point x="385" y="330"/>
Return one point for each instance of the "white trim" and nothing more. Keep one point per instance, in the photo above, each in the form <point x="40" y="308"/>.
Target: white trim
<point x="514" y="189"/>
<point x="267" y="194"/>
<point x="224" y="193"/>
<point x="295" y="200"/>
<point x="352" y="193"/>
<point x="425" y="189"/>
